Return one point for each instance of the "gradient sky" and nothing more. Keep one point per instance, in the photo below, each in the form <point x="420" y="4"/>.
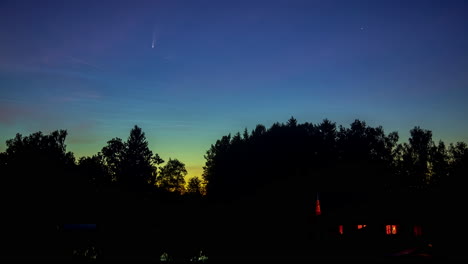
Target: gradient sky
<point x="218" y="67"/>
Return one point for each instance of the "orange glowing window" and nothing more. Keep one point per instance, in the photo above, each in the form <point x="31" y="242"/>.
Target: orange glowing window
<point x="340" y="228"/>
<point x="361" y="226"/>
<point x="391" y="229"/>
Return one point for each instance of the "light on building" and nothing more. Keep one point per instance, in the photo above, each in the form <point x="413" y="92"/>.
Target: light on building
<point x="391" y="229"/>
<point x="318" y="211"/>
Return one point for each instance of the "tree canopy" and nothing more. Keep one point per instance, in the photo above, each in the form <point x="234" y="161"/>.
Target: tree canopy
<point x="131" y="163"/>
<point x="329" y="158"/>
<point x="172" y="176"/>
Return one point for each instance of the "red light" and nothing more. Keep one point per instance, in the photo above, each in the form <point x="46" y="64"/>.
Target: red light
<point x="317" y="208"/>
<point x="340" y="229"/>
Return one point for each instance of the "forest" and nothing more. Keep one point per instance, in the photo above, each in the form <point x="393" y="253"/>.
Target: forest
<point x="252" y="183"/>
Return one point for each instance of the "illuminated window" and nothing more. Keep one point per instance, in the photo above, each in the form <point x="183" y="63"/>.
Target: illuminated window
<point x="361" y="226"/>
<point x="340" y="228"/>
<point x="391" y="229"/>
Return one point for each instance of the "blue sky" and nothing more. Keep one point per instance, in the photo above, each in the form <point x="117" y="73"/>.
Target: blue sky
<point x="220" y="66"/>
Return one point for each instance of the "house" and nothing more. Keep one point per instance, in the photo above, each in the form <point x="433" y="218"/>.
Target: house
<point x="378" y="224"/>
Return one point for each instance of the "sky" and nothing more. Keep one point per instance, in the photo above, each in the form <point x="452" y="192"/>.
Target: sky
<point x="189" y="72"/>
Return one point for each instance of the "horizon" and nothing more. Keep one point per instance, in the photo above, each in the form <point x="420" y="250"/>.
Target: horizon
<point x="189" y="73"/>
<point x="199" y="169"/>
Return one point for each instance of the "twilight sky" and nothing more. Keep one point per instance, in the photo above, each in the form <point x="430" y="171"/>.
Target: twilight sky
<point x="218" y="67"/>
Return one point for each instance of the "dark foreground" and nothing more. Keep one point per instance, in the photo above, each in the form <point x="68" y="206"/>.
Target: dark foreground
<point x="275" y="231"/>
<point x="98" y="245"/>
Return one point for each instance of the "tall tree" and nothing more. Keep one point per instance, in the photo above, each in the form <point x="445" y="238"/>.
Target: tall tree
<point x="365" y="156"/>
<point x="439" y="168"/>
<point x="139" y="167"/>
<point x="214" y="166"/>
<point x="292" y="122"/>
<point x="94" y="170"/>
<point x="172" y="176"/>
<point x="194" y="186"/>
<point x="131" y="163"/>
<point x="458" y="166"/>
<point x="418" y="157"/>
<point x="114" y="157"/>
<point x="38" y="164"/>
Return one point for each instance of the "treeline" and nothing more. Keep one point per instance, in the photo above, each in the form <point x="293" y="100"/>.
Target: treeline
<point x="326" y="157"/>
<point x="142" y="204"/>
<point x="266" y="181"/>
<point x="38" y="167"/>
<point x="258" y="187"/>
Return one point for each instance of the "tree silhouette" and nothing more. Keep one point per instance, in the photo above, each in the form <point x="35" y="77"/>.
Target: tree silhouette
<point x="292" y="122"/>
<point x="439" y="165"/>
<point x="255" y="177"/>
<point x="415" y="167"/>
<point x="458" y="167"/>
<point x="365" y="155"/>
<point x="114" y="158"/>
<point x="96" y="173"/>
<point x="194" y="186"/>
<point x="139" y="168"/>
<point x="276" y="172"/>
<point x="38" y="163"/>
<point x="320" y="156"/>
<point x="131" y="163"/>
<point x="172" y="176"/>
<point x="212" y="171"/>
